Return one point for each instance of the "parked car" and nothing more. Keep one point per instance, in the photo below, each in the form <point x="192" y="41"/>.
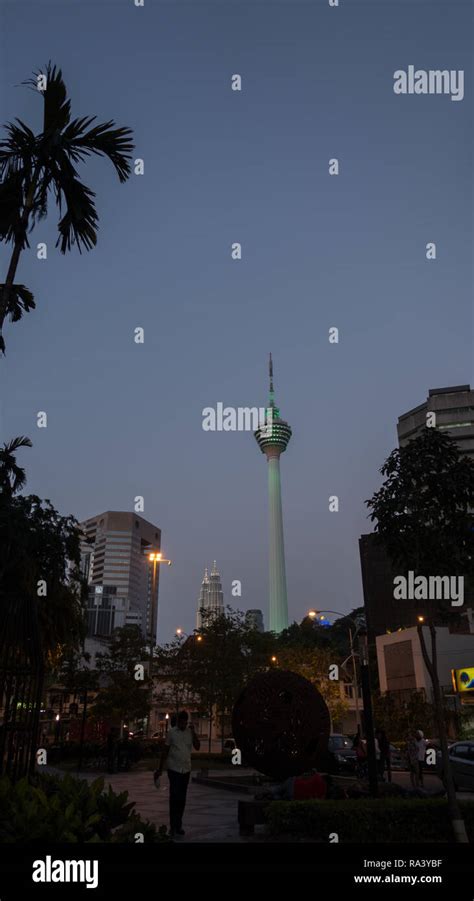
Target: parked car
<point x="461" y="756"/>
<point x="342" y="757"/>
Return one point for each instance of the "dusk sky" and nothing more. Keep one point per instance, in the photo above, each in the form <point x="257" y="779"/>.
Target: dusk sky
<point x="318" y="251"/>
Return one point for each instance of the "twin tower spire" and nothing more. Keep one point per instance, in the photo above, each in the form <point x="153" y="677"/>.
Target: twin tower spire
<point x="211" y="596"/>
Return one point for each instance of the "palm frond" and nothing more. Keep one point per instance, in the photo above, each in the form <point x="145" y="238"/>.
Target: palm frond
<point x="11" y="204"/>
<point x="10" y="447"/>
<point x="18" y="150"/>
<point x="57" y="106"/>
<point x="102" y="140"/>
<point x="79" y="223"/>
<point x="20" y="301"/>
<point x="12" y="476"/>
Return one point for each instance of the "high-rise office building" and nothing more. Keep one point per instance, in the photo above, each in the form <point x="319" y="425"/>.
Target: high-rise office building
<point x="450" y="410"/>
<point x="114" y="560"/>
<point x="211" y="596"/>
<point x="273" y="438"/>
<point x="255" y="619"/>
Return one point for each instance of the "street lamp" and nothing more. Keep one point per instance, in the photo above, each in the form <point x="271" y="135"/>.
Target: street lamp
<point x="155" y="557"/>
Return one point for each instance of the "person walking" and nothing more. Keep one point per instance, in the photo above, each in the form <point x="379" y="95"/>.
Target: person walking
<point x="177" y="750"/>
<point x="421" y="753"/>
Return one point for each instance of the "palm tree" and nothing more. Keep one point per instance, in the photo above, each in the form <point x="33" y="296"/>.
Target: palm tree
<point x="32" y="166"/>
<point x="12" y="476"/>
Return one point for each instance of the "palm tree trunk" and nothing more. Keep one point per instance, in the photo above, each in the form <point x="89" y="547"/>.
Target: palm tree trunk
<point x="17" y="247"/>
<point x="454" y="810"/>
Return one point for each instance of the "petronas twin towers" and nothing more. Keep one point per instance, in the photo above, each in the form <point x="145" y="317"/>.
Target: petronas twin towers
<point x="211" y="597"/>
<point x="273" y="438"/>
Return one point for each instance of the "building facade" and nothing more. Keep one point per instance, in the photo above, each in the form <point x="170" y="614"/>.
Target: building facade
<point x="114" y="560"/>
<point x="255" y="620"/>
<point x="450" y="410"/>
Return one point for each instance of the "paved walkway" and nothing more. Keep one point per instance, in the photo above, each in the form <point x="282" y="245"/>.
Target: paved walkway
<point x="210" y="814"/>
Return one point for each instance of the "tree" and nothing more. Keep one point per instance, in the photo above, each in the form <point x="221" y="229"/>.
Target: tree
<point x="398" y="718"/>
<point x="32" y="166"/>
<point x="124" y="686"/>
<point x="78" y="677"/>
<point x="39" y="558"/>
<point x="221" y="658"/>
<point x="12" y="476"/>
<point x="423" y="515"/>
<point x="313" y="664"/>
<point x="171" y="674"/>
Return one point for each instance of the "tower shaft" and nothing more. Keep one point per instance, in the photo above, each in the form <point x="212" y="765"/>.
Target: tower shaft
<point x="277" y="571"/>
<point x="273" y="438"/>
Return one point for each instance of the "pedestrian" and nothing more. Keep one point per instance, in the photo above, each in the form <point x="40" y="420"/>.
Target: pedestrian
<point x="421" y="749"/>
<point x="385" y="755"/>
<point x="412" y="756"/>
<point x="179" y="743"/>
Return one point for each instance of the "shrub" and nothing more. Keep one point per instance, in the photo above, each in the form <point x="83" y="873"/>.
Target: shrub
<point x="66" y="809"/>
<point x="368" y="819"/>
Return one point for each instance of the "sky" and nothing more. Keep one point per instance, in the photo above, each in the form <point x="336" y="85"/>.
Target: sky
<point x="318" y="251"/>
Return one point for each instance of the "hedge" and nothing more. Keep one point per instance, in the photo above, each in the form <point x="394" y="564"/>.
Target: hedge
<point x="368" y="819"/>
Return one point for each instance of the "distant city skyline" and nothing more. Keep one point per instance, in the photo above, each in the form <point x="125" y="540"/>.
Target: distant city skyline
<point x="319" y="251"/>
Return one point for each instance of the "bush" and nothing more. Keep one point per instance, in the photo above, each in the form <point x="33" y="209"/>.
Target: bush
<point x="66" y="809"/>
<point x="368" y="819"/>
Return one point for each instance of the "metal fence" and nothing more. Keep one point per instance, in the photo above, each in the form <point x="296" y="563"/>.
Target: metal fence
<point x="21" y="683"/>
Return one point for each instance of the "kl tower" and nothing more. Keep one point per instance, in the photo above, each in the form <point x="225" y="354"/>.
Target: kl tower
<point x="273" y="438"/>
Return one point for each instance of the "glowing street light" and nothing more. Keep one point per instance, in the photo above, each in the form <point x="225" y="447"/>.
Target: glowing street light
<point x="156" y="558"/>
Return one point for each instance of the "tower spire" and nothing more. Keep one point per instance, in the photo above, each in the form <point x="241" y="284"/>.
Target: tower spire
<point x="270" y="372"/>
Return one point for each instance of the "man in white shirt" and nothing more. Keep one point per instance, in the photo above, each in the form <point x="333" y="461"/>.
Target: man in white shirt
<point x="177" y="751"/>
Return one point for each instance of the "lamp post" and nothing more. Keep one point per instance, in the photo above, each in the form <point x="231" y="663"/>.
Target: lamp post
<point x="368" y="716"/>
<point x="155" y="557"/>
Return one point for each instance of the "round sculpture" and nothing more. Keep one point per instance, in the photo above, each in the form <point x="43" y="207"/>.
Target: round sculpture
<point x="281" y="725"/>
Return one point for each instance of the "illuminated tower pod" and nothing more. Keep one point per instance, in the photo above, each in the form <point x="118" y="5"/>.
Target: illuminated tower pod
<point x="273" y="439"/>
